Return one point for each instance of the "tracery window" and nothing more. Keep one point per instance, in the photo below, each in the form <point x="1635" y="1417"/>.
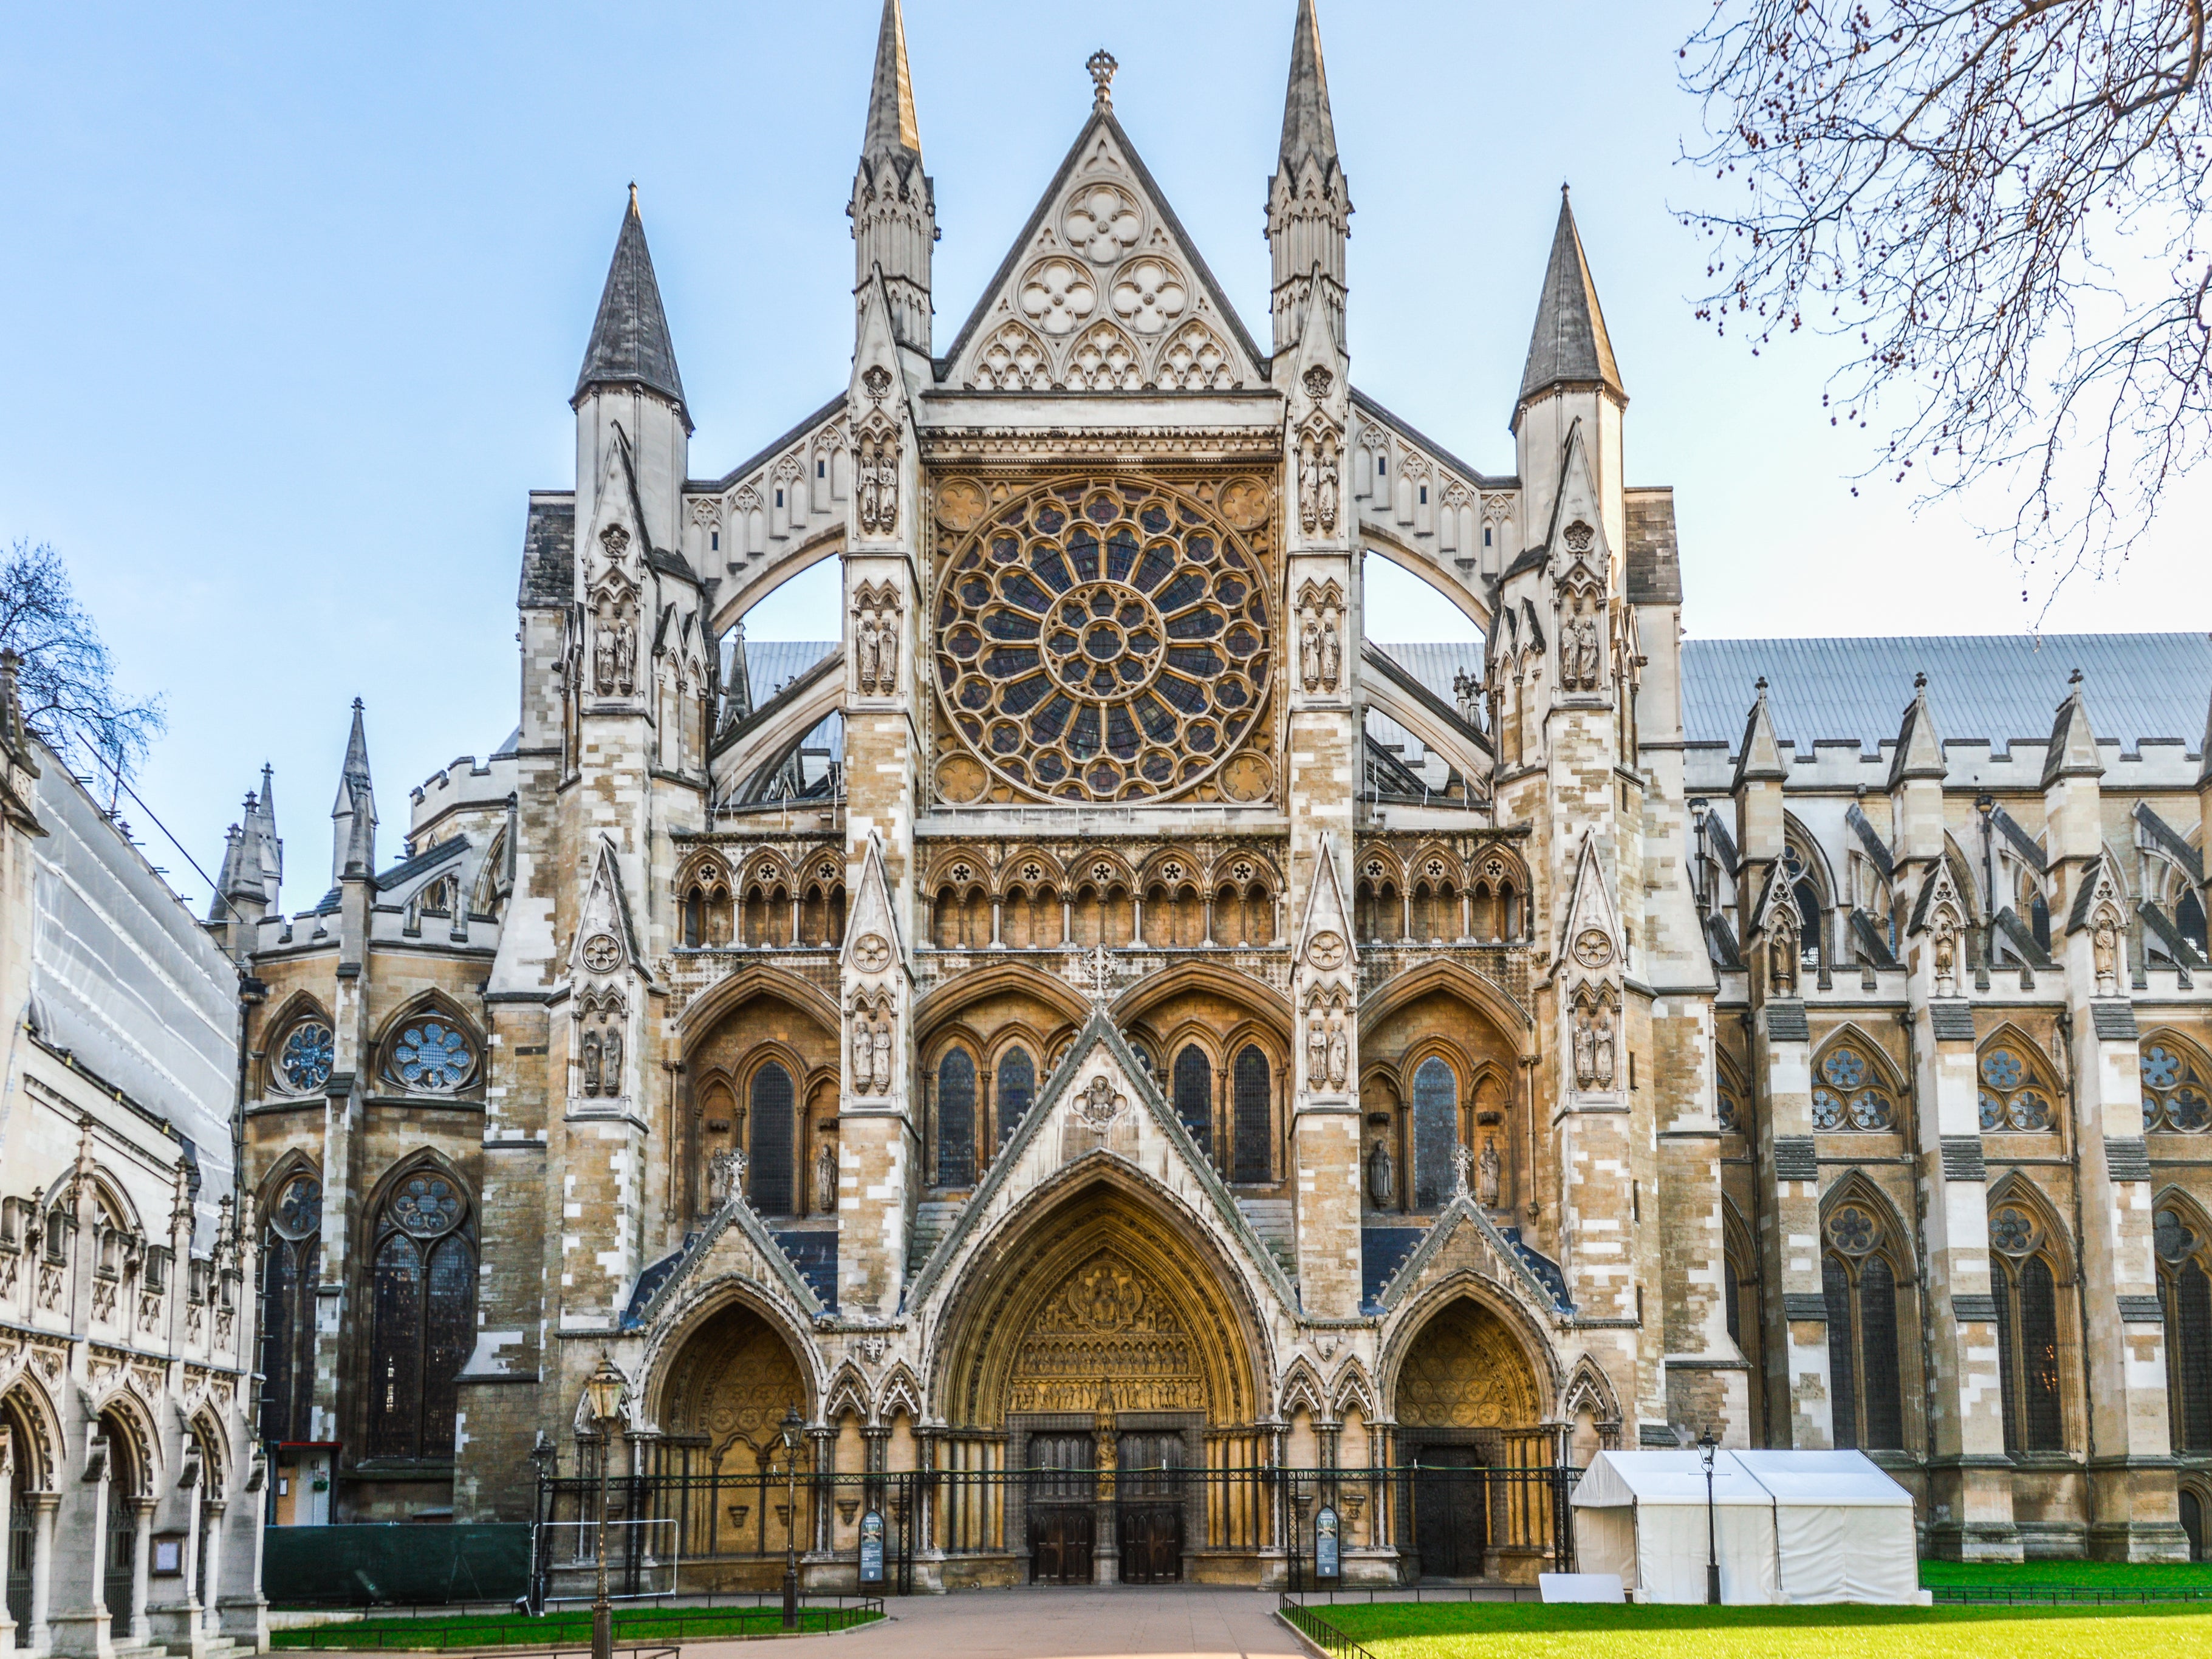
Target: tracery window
<point x="2028" y="1329"/>
<point x="1860" y="1284"/>
<point x="1102" y="640"/>
<point x="2175" y="1091"/>
<point x="768" y="1162"/>
<point x="2015" y="1093"/>
<point x="1850" y="1093"/>
<point x="2184" y="1292"/>
<point x="956" y="1119"/>
<point x="1193" y="1095"/>
<point x="422" y="1303"/>
<point x="2189" y="920"/>
<point x="1017" y="1090"/>
<point x="430" y="1054"/>
<point x="1798" y="869"/>
<point x="1252" y="1109"/>
<point x="1436" y="1134"/>
<point x="304" y="1054"/>
<point x="291" y="1251"/>
<point x="1729" y="1094"/>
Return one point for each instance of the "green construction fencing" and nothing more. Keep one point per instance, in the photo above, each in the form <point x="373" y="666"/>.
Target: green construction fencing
<point x="409" y="1564"/>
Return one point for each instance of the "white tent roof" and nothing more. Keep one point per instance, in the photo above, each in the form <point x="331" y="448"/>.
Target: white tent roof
<point x="1845" y="1478"/>
<point x="1667" y="1479"/>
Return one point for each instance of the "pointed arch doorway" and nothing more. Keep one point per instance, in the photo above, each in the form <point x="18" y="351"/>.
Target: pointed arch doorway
<point x="1470" y="1410"/>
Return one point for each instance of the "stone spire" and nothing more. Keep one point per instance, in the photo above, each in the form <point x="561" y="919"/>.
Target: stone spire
<point x="2072" y="749"/>
<point x="1570" y="346"/>
<point x="1309" y="205"/>
<point x="353" y="814"/>
<point x="630" y="345"/>
<point x="263" y="845"/>
<point x="894" y="208"/>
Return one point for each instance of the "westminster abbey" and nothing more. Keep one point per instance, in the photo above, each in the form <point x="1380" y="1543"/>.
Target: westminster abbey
<point x="1108" y="1072"/>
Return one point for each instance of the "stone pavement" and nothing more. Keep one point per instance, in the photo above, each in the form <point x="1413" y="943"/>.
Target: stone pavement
<point x="1200" y="1623"/>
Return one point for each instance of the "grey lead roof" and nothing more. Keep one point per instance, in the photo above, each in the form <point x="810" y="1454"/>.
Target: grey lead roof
<point x="1990" y="688"/>
<point x="1570" y="342"/>
<point x="629" y="341"/>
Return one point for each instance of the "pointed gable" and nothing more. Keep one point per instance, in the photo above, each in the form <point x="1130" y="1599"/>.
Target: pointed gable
<point x="1589" y="943"/>
<point x="606" y="941"/>
<point x="1104" y="292"/>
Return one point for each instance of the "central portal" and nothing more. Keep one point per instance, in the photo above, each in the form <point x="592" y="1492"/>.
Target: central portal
<point x="1127" y="1488"/>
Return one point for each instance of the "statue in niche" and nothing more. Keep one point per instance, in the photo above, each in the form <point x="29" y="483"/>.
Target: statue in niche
<point x="1601" y="1048"/>
<point x="1382" y="1175"/>
<point x="1317" y="481"/>
<point x="625" y="652"/>
<point x="1332" y="650"/>
<point x="1309" y="651"/>
<point x="864" y="645"/>
<point x="591" y="1062"/>
<point x="881" y="1041"/>
<point x="1462" y="1161"/>
<point x="726" y="1172"/>
<point x="825" y="1178"/>
<point x="1585" y="1046"/>
<point x="2105" y="947"/>
<point x="1488" y="1170"/>
<point x="1947" y="957"/>
<point x="878" y="481"/>
<point x="610" y="1070"/>
<point x="1782" y="963"/>
<point x="1316" y="1051"/>
<point x="887" y="644"/>
<point x="1340" y="1049"/>
<point x="603" y="648"/>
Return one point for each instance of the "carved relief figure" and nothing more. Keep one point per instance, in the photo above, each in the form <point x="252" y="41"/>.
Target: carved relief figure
<point x="1317" y="480"/>
<point x="1782" y="962"/>
<point x="611" y="1072"/>
<point x="882" y="1042"/>
<point x="825" y="1178"/>
<point x="1340" y="1049"/>
<point x="2104" y="945"/>
<point x="876" y="638"/>
<point x="1585" y="1047"/>
<point x="1947" y="957"/>
<point x="1487" y="1173"/>
<point x="1332" y="649"/>
<point x="1382" y="1176"/>
<point x="864" y="1054"/>
<point x="1309" y="651"/>
<point x="876" y="477"/>
<point x="863" y="646"/>
<point x="1601" y="1048"/>
<point x="1321" y="636"/>
<point x="725" y="1178"/>
<point x="591" y="1062"/>
<point x="1317" y="1051"/>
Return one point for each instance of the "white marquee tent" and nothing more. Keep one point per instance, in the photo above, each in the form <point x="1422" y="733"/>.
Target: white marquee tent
<point x="1790" y="1526"/>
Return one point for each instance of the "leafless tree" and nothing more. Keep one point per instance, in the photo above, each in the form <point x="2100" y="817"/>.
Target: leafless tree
<point x="1999" y="205"/>
<point x="67" y="680"/>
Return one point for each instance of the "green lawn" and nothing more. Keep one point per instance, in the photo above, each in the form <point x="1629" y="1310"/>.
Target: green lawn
<point x="561" y="1629"/>
<point x="2085" y="1575"/>
<point x="1494" y="1629"/>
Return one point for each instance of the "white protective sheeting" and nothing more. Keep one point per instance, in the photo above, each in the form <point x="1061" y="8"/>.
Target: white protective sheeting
<point x="1842" y="1530"/>
<point x="1791" y="1525"/>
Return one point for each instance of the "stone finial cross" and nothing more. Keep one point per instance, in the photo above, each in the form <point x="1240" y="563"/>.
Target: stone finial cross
<point x="1102" y="65"/>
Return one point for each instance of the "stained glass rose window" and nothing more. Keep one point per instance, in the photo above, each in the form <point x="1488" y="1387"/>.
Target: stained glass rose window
<point x="1101" y="642"/>
<point x="303" y="1059"/>
<point x="431" y="1057"/>
<point x="2173" y="1089"/>
<point x="1851" y="1098"/>
<point x="426" y="1205"/>
<point x="2012" y="1096"/>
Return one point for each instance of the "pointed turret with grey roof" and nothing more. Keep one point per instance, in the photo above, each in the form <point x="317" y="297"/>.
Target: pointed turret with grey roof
<point x="629" y="344"/>
<point x="1570" y="346"/>
<point x="894" y="206"/>
<point x="353" y="814"/>
<point x="1309" y="205"/>
<point x="2073" y="750"/>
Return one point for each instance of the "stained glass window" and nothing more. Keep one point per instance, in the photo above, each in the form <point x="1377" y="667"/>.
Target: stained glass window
<point x="956" y="1119"/>
<point x="1101" y="641"/>
<point x="1254" y="1129"/>
<point x="290" y="1268"/>
<point x="2015" y="1094"/>
<point x="422" y="1312"/>
<point x="303" y="1059"/>
<point x="768" y="1162"/>
<point x="430" y="1057"/>
<point x="2185" y="1293"/>
<point x="2027" y="1331"/>
<point x="1849" y="1094"/>
<point x="2175" y="1091"/>
<point x="1861" y="1289"/>
<point x="1193" y="1095"/>
<point x="1017" y="1090"/>
<point x="1436" y="1134"/>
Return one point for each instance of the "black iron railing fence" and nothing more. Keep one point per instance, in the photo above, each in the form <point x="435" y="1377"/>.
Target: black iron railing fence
<point x="677" y="1533"/>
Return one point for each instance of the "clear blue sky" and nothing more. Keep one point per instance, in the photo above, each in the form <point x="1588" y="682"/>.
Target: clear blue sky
<point x="295" y="297"/>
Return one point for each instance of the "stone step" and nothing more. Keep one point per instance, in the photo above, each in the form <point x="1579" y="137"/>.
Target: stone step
<point x="931" y="1222"/>
<point x="1272" y="1219"/>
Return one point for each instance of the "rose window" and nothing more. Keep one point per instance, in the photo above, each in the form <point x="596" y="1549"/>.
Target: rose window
<point x="2012" y="1096"/>
<point x="1847" y="1098"/>
<point x="432" y="1057"/>
<point x="304" y="1062"/>
<point x="2173" y="1090"/>
<point x="426" y="1206"/>
<point x="1101" y="643"/>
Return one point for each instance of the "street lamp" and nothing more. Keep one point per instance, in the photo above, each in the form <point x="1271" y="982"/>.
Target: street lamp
<point x="603" y="1392"/>
<point x="793" y="1431"/>
<point x="1707" y="1445"/>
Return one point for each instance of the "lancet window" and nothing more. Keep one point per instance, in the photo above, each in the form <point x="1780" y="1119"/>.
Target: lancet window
<point x="2184" y="1294"/>
<point x="1858" y="1276"/>
<point x="2026" y="1287"/>
<point x="423" y="1305"/>
<point x="769" y="1118"/>
<point x="291" y="1256"/>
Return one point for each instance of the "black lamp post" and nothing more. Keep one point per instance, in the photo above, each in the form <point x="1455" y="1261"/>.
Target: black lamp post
<point x="793" y="1430"/>
<point x="1707" y="1445"/>
<point x="603" y="1391"/>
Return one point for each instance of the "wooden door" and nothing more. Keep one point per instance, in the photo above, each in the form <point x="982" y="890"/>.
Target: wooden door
<point x="1062" y="1498"/>
<point x="1148" y="1497"/>
<point x="1451" y="1509"/>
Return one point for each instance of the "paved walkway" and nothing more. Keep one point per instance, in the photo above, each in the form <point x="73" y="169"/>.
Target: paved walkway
<point x="1048" y="1624"/>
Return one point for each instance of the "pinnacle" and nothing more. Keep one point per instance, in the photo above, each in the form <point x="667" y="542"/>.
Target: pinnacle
<point x="892" y="128"/>
<point x="1308" y="127"/>
<point x="1570" y="343"/>
<point x="629" y="343"/>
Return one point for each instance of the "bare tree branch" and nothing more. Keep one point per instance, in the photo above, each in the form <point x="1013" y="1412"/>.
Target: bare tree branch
<point x="67" y="682"/>
<point x="1999" y="205"/>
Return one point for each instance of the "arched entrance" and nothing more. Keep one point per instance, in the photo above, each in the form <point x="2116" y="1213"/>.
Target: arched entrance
<point x="1104" y="1358"/>
<point x="1469" y="1410"/>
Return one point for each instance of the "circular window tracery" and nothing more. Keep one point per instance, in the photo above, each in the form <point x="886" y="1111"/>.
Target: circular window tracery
<point x="303" y="1062"/>
<point x="1102" y="641"/>
<point x="431" y="1057"/>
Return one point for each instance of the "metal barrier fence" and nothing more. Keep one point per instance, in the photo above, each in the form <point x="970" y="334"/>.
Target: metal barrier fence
<point x="707" y="1617"/>
<point x="1977" y="1596"/>
<point x="670" y="1534"/>
<point x="1322" y="1633"/>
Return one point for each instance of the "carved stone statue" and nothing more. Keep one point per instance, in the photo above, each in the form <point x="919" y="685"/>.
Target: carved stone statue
<point x="610" y="1047"/>
<point x="1332" y="650"/>
<point x="1309" y="651"/>
<point x="1601" y="1048"/>
<point x="1340" y="1049"/>
<point x="1462" y="1160"/>
<point x="1317" y="481"/>
<point x="1382" y="1175"/>
<point x="726" y="1173"/>
<point x="1585" y="1042"/>
<point x="1487" y="1172"/>
<point x="591" y="1062"/>
<point x="882" y="1047"/>
<point x="2104" y="945"/>
<point x="1317" y="1051"/>
<point x="876" y="481"/>
<point x="1782" y="962"/>
<point x="625" y="630"/>
<point x="863" y="646"/>
<point x="825" y="1178"/>
<point x="1946" y="958"/>
<point x="887" y="645"/>
<point x="606" y="622"/>
<point x="864" y="1054"/>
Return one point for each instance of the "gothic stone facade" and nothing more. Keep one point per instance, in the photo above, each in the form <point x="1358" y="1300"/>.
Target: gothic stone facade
<point x="1119" y="1035"/>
